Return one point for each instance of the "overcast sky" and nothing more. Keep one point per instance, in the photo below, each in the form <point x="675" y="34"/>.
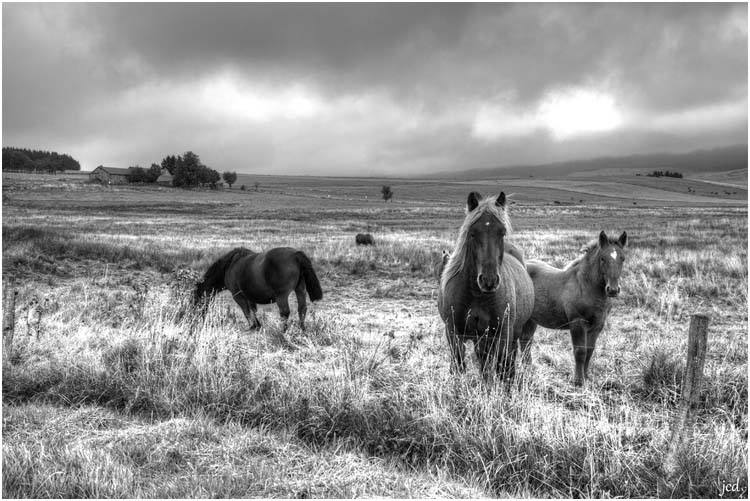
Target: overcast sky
<point x="362" y="89"/>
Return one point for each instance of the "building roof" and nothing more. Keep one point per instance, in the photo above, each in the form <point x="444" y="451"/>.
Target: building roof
<point x="119" y="171"/>
<point x="164" y="178"/>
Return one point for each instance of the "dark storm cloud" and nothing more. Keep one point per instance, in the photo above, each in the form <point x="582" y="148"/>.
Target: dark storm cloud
<point x="378" y="87"/>
<point x="430" y="49"/>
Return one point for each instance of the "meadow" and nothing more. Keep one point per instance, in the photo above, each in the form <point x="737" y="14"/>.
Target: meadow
<point x="119" y="391"/>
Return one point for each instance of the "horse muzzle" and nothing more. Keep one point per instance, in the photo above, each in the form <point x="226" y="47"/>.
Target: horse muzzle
<point x="612" y="291"/>
<point x="488" y="283"/>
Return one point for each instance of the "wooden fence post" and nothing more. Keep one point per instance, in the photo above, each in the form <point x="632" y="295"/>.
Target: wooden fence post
<point x="691" y="387"/>
<point x="9" y="320"/>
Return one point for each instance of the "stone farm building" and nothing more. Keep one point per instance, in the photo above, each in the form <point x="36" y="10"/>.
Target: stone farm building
<point x="165" y="179"/>
<point x="110" y="175"/>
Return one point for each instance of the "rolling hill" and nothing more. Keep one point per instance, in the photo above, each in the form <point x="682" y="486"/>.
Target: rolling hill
<point x="728" y="158"/>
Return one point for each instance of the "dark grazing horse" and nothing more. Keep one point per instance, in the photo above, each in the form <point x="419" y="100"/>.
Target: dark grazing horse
<point x="486" y="294"/>
<point x="262" y="278"/>
<point x="577" y="297"/>
<point x="364" y="239"/>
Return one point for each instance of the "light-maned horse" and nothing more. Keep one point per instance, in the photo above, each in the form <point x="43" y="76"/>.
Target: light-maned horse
<point x="262" y="278"/>
<point x="577" y="298"/>
<point x="486" y="295"/>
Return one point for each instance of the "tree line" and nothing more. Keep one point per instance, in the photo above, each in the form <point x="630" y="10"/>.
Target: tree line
<point x="24" y="159"/>
<point x="664" y="173"/>
<point x="187" y="171"/>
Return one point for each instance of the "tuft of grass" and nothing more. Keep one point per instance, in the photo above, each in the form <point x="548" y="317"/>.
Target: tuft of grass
<point x="662" y="375"/>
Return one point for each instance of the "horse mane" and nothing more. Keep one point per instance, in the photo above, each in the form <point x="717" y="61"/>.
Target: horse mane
<point x="457" y="258"/>
<point x="586" y="252"/>
<point x="213" y="279"/>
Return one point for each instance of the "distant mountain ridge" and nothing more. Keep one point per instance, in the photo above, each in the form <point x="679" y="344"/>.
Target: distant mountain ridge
<point x="708" y="160"/>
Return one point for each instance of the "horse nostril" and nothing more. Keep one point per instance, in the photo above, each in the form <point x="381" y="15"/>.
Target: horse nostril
<point x="488" y="284"/>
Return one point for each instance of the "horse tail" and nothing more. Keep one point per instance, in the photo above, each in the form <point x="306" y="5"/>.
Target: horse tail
<point x="308" y="274"/>
<point x="213" y="279"/>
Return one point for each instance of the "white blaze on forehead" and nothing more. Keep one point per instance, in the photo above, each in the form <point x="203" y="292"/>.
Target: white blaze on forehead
<point x="614" y="254"/>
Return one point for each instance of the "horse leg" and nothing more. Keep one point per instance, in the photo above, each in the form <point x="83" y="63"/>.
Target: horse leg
<point x="485" y="350"/>
<point x="301" y="292"/>
<point x="283" y="302"/>
<point x="252" y="316"/>
<point x="506" y="364"/>
<point x="249" y="310"/>
<point x="505" y="354"/>
<point x="578" y="336"/>
<point x="524" y="342"/>
<point x="593" y="334"/>
<point x="458" y="352"/>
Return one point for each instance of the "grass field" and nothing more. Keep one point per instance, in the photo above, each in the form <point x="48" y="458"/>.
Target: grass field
<point x="113" y="392"/>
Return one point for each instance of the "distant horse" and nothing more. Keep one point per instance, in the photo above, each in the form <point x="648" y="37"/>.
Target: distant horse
<point x="486" y="294"/>
<point x="577" y="297"/>
<point x="262" y="278"/>
<point x="364" y="239"/>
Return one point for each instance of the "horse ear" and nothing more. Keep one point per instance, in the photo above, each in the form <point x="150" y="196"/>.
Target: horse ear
<point x="603" y="239"/>
<point x="500" y="200"/>
<point x="473" y="200"/>
<point x="623" y="239"/>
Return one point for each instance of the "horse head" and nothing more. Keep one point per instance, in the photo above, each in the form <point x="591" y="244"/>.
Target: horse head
<point x="485" y="239"/>
<point x="611" y="256"/>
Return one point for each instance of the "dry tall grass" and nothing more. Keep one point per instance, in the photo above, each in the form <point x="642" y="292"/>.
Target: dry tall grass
<point x="129" y="395"/>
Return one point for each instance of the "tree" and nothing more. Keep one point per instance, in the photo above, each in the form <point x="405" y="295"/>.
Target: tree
<point x="256" y="185"/>
<point x="190" y="172"/>
<point x="153" y="173"/>
<point x="230" y="178"/>
<point x="137" y="174"/>
<point x="387" y="193"/>
<point x="208" y="176"/>
<point x="169" y="163"/>
<point x="186" y="170"/>
<point x="16" y="160"/>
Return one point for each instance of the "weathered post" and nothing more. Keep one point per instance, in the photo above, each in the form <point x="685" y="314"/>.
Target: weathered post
<point x="691" y="386"/>
<point x="9" y="320"/>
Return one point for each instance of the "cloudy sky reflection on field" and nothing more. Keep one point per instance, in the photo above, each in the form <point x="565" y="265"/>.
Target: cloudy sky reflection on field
<point x="372" y="89"/>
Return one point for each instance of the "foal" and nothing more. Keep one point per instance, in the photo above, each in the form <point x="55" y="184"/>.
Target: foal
<point x="577" y="297"/>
